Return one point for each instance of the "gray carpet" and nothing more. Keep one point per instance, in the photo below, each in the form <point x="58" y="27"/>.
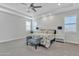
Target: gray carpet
<point x="19" y="48"/>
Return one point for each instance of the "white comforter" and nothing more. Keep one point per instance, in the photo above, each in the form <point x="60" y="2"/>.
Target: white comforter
<point x="46" y="38"/>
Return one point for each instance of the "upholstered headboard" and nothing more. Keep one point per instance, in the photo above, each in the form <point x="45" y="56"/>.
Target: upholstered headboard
<point x="48" y="31"/>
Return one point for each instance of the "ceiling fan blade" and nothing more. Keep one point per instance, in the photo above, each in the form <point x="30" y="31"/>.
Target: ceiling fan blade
<point x="32" y="4"/>
<point x="33" y="9"/>
<point x="24" y="4"/>
<point x="37" y="6"/>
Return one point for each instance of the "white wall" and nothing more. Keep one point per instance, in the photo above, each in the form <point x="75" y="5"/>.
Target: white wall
<point x="58" y="20"/>
<point x="72" y="37"/>
<point x="11" y="27"/>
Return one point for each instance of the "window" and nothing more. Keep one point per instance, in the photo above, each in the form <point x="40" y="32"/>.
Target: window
<point x="70" y="24"/>
<point x="34" y="25"/>
<point x="28" y="25"/>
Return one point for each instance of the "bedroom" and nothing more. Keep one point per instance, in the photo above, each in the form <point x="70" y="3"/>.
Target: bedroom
<point x="18" y="19"/>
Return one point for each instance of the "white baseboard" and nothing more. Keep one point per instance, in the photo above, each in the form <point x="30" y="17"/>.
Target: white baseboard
<point x="75" y="42"/>
<point x="12" y="39"/>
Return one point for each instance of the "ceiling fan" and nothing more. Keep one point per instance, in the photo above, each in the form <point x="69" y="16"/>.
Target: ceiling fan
<point x="33" y="7"/>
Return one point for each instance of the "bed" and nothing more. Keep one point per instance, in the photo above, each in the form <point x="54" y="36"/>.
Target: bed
<point x="47" y="35"/>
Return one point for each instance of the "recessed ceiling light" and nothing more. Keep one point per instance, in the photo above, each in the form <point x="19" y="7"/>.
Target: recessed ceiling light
<point x="59" y="4"/>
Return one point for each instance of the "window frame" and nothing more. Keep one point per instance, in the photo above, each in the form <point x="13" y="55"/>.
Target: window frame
<point x="69" y="24"/>
<point x="28" y="26"/>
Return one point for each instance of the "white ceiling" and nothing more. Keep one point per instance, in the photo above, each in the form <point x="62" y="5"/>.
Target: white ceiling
<point x="52" y="8"/>
<point x="47" y="7"/>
